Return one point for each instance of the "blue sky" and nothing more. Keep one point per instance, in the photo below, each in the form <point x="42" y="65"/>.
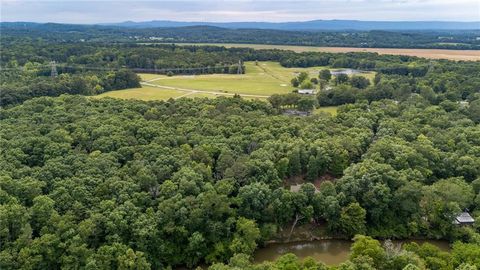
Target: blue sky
<point x="101" y="11"/>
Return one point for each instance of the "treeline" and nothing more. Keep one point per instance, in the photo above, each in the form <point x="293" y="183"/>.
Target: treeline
<point x="103" y="184"/>
<point x="74" y="57"/>
<point x="18" y="86"/>
<point x="293" y="100"/>
<point x="60" y="33"/>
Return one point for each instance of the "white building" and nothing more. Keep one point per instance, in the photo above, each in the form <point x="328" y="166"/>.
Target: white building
<point x="306" y="91"/>
<point x="464" y="219"/>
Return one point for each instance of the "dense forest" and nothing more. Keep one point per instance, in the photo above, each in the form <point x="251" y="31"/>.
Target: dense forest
<point x="440" y="39"/>
<point x="102" y="183"/>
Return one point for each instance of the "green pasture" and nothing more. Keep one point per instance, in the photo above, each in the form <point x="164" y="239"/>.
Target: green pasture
<point x="143" y="93"/>
<point x="261" y="79"/>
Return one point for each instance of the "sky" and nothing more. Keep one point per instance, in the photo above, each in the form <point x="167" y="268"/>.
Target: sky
<point x="108" y="11"/>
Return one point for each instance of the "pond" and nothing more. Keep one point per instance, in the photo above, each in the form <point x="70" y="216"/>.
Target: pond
<point x="331" y="252"/>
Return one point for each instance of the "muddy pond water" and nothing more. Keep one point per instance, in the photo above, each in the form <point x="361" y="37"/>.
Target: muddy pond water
<point x="331" y="252"/>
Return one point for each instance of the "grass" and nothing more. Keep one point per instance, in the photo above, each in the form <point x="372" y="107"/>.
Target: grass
<point x="147" y="77"/>
<point x="264" y="79"/>
<point x="143" y="93"/>
<point x="260" y="81"/>
<point x="330" y="109"/>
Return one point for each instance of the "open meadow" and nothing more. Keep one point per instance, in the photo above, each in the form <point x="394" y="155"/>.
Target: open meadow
<point x="467" y="55"/>
<point x="261" y="80"/>
<point x="143" y="93"/>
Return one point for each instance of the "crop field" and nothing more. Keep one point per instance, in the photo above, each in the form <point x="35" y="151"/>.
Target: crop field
<point x="468" y="55"/>
<point x="260" y="81"/>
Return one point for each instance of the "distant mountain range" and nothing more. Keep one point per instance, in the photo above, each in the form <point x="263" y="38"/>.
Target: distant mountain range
<point x="332" y="25"/>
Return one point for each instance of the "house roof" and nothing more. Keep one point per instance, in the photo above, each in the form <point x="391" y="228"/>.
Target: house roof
<point x="306" y="90"/>
<point x="464" y="218"/>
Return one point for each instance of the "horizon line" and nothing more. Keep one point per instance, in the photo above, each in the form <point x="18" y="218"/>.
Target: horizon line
<point x="272" y="22"/>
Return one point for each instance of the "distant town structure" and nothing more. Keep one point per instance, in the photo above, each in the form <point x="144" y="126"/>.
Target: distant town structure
<point x="464" y="218"/>
<point x="306" y="91"/>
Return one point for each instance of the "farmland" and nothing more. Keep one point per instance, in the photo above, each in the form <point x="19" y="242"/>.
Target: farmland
<point x="467" y="55"/>
<point x="261" y="80"/>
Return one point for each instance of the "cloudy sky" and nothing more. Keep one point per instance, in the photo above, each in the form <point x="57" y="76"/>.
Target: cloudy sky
<point x="100" y="11"/>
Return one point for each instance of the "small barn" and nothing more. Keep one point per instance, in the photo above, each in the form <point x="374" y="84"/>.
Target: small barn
<point x="463" y="219"/>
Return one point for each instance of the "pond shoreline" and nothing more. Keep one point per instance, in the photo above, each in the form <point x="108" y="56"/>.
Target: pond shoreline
<point x="329" y="250"/>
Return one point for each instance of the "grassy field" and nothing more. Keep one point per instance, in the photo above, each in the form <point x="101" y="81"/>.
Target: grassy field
<point x="264" y="79"/>
<point x="469" y="55"/>
<point x="329" y="109"/>
<point x="143" y="93"/>
<point x="260" y="81"/>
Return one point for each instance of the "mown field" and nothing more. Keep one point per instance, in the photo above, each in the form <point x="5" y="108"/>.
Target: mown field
<point x="260" y="81"/>
<point x="143" y="93"/>
<point x="264" y="79"/>
<point x="468" y="55"/>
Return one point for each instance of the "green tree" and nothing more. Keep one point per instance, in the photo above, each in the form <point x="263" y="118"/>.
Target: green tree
<point x="352" y="220"/>
<point x="359" y="82"/>
<point x="474" y="110"/>
<point x="42" y="210"/>
<point x="368" y="247"/>
<point x="341" y="79"/>
<point x="245" y="236"/>
<point x="302" y="76"/>
<point x="132" y="260"/>
<point x="306" y="85"/>
<point x="325" y="75"/>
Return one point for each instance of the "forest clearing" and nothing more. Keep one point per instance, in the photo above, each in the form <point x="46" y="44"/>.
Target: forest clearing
<point x="261" y="80"/>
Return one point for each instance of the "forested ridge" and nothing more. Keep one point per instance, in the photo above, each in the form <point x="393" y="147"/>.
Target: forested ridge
<point x="109" y="183"/>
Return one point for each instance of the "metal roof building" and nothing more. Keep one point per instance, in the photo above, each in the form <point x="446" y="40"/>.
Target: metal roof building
<point x="464" y="218"/>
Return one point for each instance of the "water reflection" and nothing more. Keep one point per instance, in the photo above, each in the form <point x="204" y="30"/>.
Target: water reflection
<point x="331" y="252"/>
